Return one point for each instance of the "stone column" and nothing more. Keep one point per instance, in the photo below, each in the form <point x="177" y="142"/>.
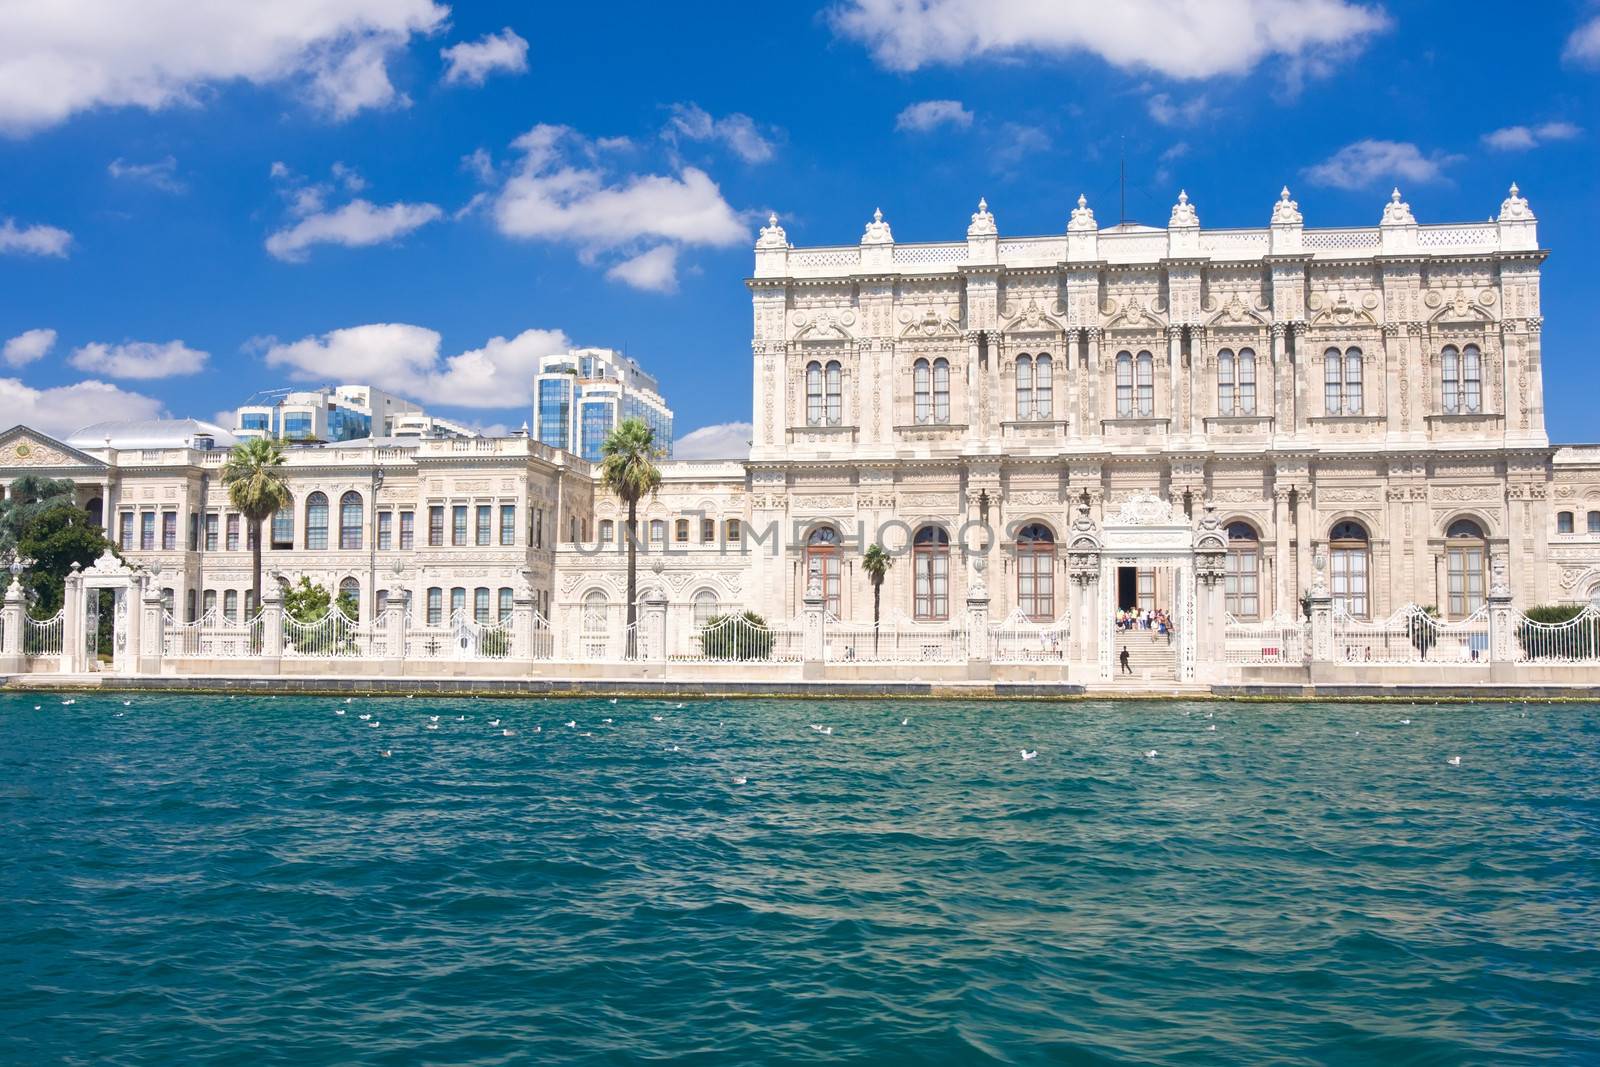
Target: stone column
<point x="153" y="636"/>
<point x="1282" y="419"/>
<point x="1304" y="535"/>
<point x="653" y="625"/>
<point x="1322" y="650"/>
<point x="1283" y="596"/>
<point x="1091" y="427"/>
<point x="978" y="623"/>
<point x="523" y="614"/>
<point x="129" y="608"/>
<point x="12" y="617"/>
<point x="814" y="640"/>
<point x="1174" y="381"/>
<point x="73" y="653"/>
<point x="394" y="626"/>
<point x="1300" y="369"/>
<point x="270" y="660"/>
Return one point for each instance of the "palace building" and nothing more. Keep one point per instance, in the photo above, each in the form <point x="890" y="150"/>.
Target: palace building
<point x="1219" y="424"/>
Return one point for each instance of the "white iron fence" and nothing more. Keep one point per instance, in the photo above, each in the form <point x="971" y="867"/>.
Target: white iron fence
<point x="1272" y="641"/>
<point x="1019" y="639"/>
<point x="211" y="637"/>
<point x="1576" y="641"/>
<point x="1411" y="635"/>
<point x="744" y="638"/>
<point x="894" y="641"/>
<point x="43" y="637"/>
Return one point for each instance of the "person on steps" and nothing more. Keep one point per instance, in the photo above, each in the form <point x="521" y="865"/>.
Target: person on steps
<point x="1124" y="658"/>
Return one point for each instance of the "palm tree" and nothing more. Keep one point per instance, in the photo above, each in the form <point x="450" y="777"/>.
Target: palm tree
<point x="876" y="562"/>
<point x="628" y="468"/>
<point x="256" y="489"/>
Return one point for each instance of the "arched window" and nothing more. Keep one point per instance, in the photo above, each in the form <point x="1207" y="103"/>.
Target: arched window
<point x="1024" y="387"/>
<point x="1349" y="561"/>
<point x="350" y="598"/>
<point x="608" y="531"/>
<point x="1124" y="385"/>
<point x="1225" y="382"/>
<point x="1333" y="382"/>
<point x="658" y="531"/>
<point x="435" y="606"/>
<point x="350" y="520"/>
<point x="317" y="521"/>
<point x="680" y="531"/>
<point x="383" y="601"/>
<point x="930" y="568"/>
<point x="458" y="602"/>
<point x="1466" y="565"/>
<point x="230" y="605"/>
<point x="1247" y="382"/>
<point x="480" y="605"/>
<point x="594" y="611"/>
<point x="1563" y="522"/>
<point x="1036" y="572"/>
<point x="283" y="527"/>
<point x="941" y="390"/>
<point x="1242" y="580"/>
<point x="705" y="608"/>
<point x="922" y="391"/>
<point x="822" y="560"/>
<point x="1044" y="387"/>
<point x="1145" y="385"/>
<point x="1352" y="381"/>
<point x="1594" y="522"/>
<point x="814" y="393"/>
<point x="506" y="605"/>
<point x="169" y="600"/>
<point x="833" y="392"/>
<point x="1450" y="373"/>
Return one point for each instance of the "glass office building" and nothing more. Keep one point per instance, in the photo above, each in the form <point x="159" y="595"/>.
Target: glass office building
<point x="581" y="396"/>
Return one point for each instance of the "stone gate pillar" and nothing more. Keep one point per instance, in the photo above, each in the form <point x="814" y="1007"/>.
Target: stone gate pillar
<point x="523" y="614"/>
<point x="978" y="651"/>
<point x="394" y="635"/>
<point x="73" y="652"/>
<point x="814" y="644"/>
<point x="152" y="631"/>
<point x="271" y="657"/>
<point x="1322" y="650"/>
<point x="653" y="626"/>
<point x="11" y="624"/>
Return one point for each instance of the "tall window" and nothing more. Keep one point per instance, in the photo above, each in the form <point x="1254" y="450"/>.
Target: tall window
<point x="283" y="527"/>
<point x="435" y="527"/>
<point x="1236" y="382"/>
<point x="930" y="568"/>
<point x="922" y="390"/>
<point x="658" y="531"/>
<point x="822" y="560"/>
<point x="458" y="525"/>
<point x="1024" y="387"/>
<point x="1145" y="384"/>
<point x="824" y="387"/>
<point x="833" y="385"/>
<point x="317" y="521"/>
<point x="508" y="524"/>
<point x="1341" y="381"/>
<point x="125" y="531"/>
<point x="213" y="529"/>
<point x="1124" y="385"/>
<point x="731" y="531"/>
<point x="505" y="596"/>
<point x="208" y="604"/>
<point x="458" y="602"/>
<point x="1563" y="522"/>
<point x="708" y="531"/>
<point x="169" y="530"/>
<point x="232" y="532"/>
<point x="1036" y="572"/>
<point x="350" y="598"/>
<point x="1241" y="581"/>
<point x="941" y="390"/>
<point x="481" y="528"/>
<point x="350" y="513"/>
<point x="480" y="605"/>
<point x="1463" y="380"/>
<point x="230" y="605"/>
<point x="705" y="608"/>
<point x="435" y="606"/>
<point x="594" y="611"/>
<point x="147" y="530"/>
<point x="1466" y="556"/>
<point x="814" y="393"/>
<point x="608" y="531"/>
<point x="1349" y="559"/>
<point x="1043" y="387"/>
<point x="680" y="531"/>
<point x="385" y="530"/>
<point x="1594" y="522"/>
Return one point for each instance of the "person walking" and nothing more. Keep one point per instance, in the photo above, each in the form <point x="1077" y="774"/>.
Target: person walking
<point x="1124" y="658"/>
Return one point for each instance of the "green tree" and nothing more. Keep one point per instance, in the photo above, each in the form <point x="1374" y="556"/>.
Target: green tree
<point x="307" y="603"/>
<point x="876" y="562"/>
<point x="628" y="469"/>
<point x="55" y="539"/>
<point x="253" y="476"/>
<point x="30" y="496"/>
<point x="1423" y="629"/>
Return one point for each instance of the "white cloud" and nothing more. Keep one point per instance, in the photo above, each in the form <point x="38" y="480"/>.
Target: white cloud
<point x="1584" y="44"/>
<point x="727" y="440"/>
<point x="354" y="225"/>
<point x="140" y="359"/>
<point x="65" y="408"/>
<point x="561" y="191"/>
<point x="28" y="346"/>
<point x="472" y="62"/>
<point x="1015" y="143"/>
<point x="655" y="269"/>
<point x="739" y="132"/>
<point x="33" y="240"/>
<point x="407" y="359"/>
<point x="67" y="56"/>
<point x="480" y="163"/>
<point x="162" y="174"/>
<point x="929" y="114"/>
<point x="1522" y="138"/>
<point x="1178" y="38"/>
<point x="1169" y="112"/>
<point x="1371" y="162"/>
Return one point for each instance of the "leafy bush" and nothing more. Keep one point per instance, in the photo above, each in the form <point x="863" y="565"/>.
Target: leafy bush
<point x="1580" y="641"/>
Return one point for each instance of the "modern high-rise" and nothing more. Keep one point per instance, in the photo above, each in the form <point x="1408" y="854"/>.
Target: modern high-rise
<point x="338" y="413"/>
<point x="580" y="396"/>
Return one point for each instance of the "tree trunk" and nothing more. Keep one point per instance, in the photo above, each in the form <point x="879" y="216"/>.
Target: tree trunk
<point x="877" y="596"/>
<point x="255" y="565"/>
<point x="633" y="578"/>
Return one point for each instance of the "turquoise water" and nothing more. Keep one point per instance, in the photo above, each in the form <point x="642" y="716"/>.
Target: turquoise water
<point x="204" y="879"/>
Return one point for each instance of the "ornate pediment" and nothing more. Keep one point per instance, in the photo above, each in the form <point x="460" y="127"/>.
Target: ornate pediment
<point x="1032" y="316"/>
<point x="1457" y="307"/>
<point x="1233" y="311"/>
<point x="1341" y="312"/>
<point x="930" y="321"/>
<point x="1133" y="313"/>
<point x="823" y="325"/>
<point x="22" y="446"/>
<point x="1144" y="508"/>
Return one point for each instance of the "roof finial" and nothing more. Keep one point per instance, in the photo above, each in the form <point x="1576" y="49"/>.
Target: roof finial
<point x="877" y="212"/>
<point x="877" y="232"/>
<point x="1183" y="212"/>
<point x="1395" y="196"/>
<point x="1082" y="217"/>
<point x="1396" y="211"/>
<point x="1286" y="212"/>
<point x="1514" y="189"/>
<point x="982" y="222"/>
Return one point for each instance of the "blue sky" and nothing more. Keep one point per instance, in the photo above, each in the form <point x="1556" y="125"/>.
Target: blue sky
<point x="194" y="206"/>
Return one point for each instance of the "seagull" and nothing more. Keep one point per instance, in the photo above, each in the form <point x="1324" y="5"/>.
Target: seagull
<point x="119" y="714"/>
<point x="127" y="703"/>
<point x="1212" y="727"/>
<point x="606" y="721"/>
<point x="674" y="748"/>
<point x="536" y="729"/>
<point x="1029" y="755"/>
<point x="363" y="716"/>
<point x="682" y="706"/>
<point x="385" y="753"/>
<point x="572" y="724"/>
<point x="433" y="718"/>
<point x="508" y="733"/>
<point x="655" y="718"/>
<point x="1208" y="715"/>
<point x="828" y="730"/>
<point x="65" y="703"/>
<point x="586" y="733"/>
<point x="349" y="700"/>
<point x="374" y="725"/>
<point x="36" y="707"/>
<point x="1454" y="761"/>
<point x="338" y="711"/>
<point x="494" y="722"/>
<point x="613" y="700"/>
<point x="741" y="780"/>
<point x="433" y="726"/>
<point x="817" y="726"/>
<point x="1405" y="722"/>
<point x="1151" y="754"/>
<point x="905" y="722"/>
<point x="461" y="718"/>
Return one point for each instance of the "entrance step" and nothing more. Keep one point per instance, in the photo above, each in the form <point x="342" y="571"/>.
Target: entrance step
<point x="1152" y="656"/>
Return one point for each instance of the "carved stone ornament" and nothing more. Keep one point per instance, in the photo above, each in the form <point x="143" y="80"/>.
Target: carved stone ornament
<point x="1397" y="212"/>
<point x="1143" y="508"/>
<point x="1319" y="572"/>
<point x="1286" y="212"/>
<point x="1499" y="579"/>
<point x="772" y="235"/>
<point x="1183" y="213"/>
<point x="983" y="224"/>
<point x="1082" y="217"/>
<point x="877" y="232"/>
<point x="1514" y="207"/>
